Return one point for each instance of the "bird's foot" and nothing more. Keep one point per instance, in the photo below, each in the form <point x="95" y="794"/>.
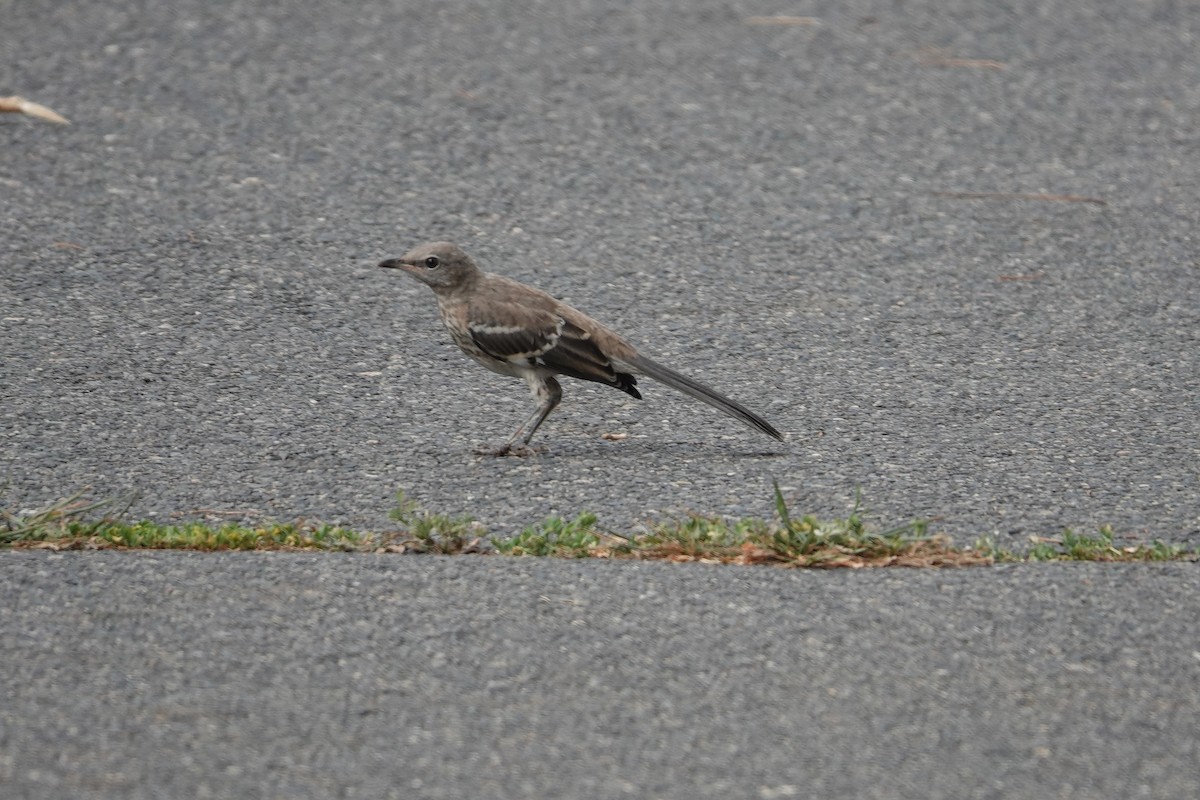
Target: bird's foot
<point x="519" y="450"/>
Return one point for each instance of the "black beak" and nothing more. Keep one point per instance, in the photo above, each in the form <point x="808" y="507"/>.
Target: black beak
<point x="392" y="263"/>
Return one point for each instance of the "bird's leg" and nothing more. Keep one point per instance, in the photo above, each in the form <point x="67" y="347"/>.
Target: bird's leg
<point x="547" y="391"/>
<point x="549" y="394"/>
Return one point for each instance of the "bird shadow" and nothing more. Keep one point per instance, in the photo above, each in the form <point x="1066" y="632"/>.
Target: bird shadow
<point x="638" y="449"/>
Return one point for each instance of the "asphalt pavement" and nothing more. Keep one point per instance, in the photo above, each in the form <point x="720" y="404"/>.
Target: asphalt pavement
<point x="949" y="248"/>
<point x="282" y="675"/>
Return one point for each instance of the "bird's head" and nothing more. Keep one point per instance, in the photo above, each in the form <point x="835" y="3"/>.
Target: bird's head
<point x="444" y="266"/>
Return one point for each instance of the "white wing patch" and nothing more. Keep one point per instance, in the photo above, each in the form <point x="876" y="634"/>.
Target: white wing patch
<point x="496" y="330"/>
<point x="533" y="342"/>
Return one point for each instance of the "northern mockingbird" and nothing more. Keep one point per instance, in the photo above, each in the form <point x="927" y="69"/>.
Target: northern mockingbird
<point x="514" y="329"/>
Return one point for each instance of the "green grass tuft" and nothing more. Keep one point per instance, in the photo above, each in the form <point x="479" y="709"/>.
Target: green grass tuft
<point x="788" y="540"/>
<point x="1071" y="546"/>
<point x="63" y="525"/>
<point x="801" y="541"/>
<point x="434" y="533"/>
<point x="555" y="536"/>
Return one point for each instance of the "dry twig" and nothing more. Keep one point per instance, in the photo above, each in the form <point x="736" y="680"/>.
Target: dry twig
<point x="782" y="20"/>
<point x="20" y="105"/>
<point x="1055" y="198"/>
<point x="935" y="57"/>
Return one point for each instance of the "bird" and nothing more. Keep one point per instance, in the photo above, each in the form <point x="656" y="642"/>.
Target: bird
<point x="517" y="330"/>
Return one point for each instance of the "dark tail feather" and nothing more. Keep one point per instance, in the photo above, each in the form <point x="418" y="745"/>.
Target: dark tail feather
<point x="702" y="393"/>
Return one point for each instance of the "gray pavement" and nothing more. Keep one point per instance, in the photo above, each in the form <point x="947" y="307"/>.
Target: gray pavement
<point x="241" y="675"/>
<point x="189" y="309"/>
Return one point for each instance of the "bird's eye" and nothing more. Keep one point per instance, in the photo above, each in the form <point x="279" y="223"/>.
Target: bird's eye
<point x="432" y="262"/>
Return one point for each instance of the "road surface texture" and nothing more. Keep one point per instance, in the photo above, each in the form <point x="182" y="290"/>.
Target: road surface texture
<point x="186" y="675"/>
<point x="949" y="248"/>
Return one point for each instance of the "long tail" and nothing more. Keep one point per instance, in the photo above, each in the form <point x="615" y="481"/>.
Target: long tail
<point x="702" y="393"/>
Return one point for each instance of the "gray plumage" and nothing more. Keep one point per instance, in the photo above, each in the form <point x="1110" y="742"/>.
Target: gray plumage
<point x="516" y="330"/>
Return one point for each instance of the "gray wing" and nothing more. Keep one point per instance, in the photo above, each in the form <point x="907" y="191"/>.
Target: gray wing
<point x="549" y="341"/>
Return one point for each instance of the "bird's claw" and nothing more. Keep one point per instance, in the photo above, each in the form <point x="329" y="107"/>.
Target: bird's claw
<point x="518" y="450"/>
